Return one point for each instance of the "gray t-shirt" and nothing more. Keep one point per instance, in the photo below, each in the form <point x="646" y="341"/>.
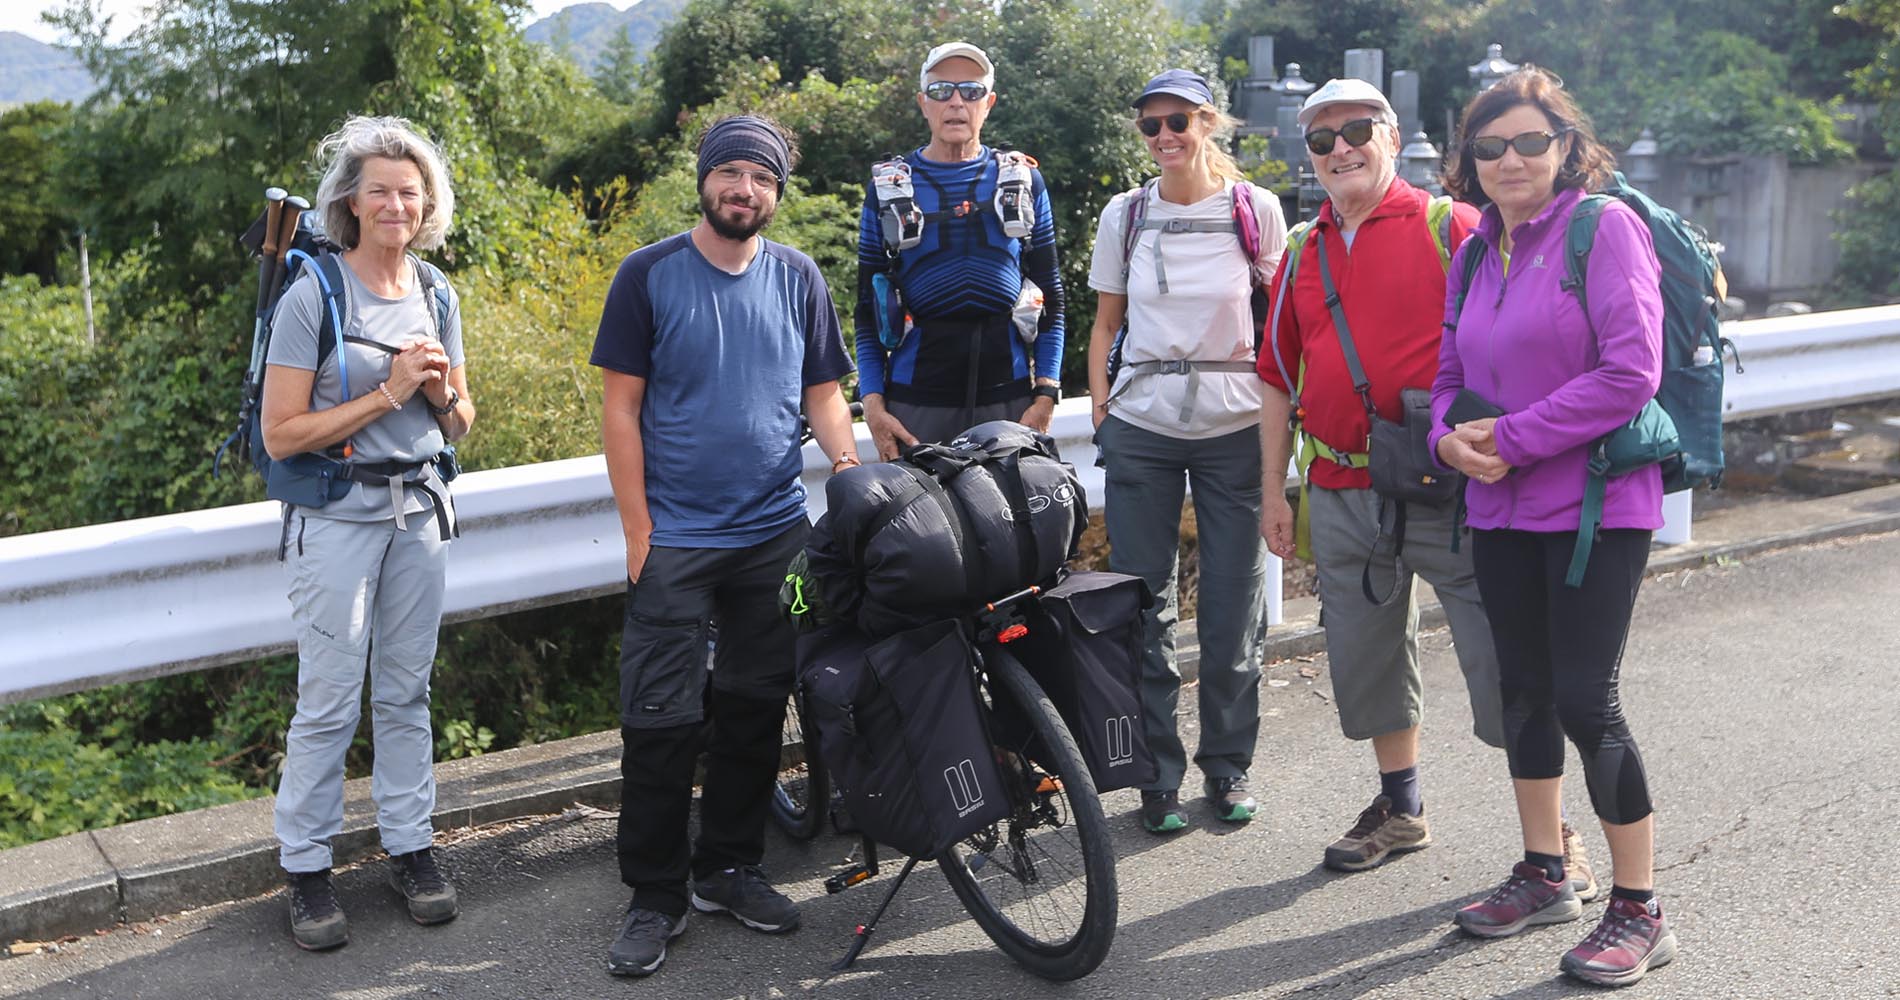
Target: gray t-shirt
<point x="406" y="435"/>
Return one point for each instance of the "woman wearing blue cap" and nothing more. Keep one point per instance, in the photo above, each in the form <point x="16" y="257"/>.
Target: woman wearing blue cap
<point x="1176" y="266"/>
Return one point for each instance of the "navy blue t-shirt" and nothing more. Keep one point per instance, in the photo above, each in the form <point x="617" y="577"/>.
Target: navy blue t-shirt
<point x="727" y="358"/>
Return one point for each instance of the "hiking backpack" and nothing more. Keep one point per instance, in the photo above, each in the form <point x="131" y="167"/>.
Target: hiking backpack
<point x="1681" y="428"/>
<point x="1241" y="221"/>
<point x="309" y="479"/>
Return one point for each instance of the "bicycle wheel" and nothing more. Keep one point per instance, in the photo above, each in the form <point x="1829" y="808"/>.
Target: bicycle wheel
<point x="803" y="792"/>
<point x="1042" y="883"/>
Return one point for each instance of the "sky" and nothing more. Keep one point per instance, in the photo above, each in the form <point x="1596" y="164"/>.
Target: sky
<point x="23" y="16"/>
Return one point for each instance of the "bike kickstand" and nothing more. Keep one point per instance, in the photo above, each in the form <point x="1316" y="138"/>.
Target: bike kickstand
<point x="863" y="935"/>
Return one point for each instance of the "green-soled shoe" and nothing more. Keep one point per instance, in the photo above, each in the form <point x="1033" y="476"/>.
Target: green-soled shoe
<point x="1232" y="802"/>
<point x="1161" y="812"/>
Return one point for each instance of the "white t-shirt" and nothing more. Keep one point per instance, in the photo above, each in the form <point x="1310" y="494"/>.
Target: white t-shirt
<point x="1203" y="316"/>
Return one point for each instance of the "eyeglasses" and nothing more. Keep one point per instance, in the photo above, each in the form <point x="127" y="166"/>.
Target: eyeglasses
<point x="731" y="176"/>
<point x="1357" y="133"/>
<point x="969" y="90"/>
<point x="1151" y="125"/>
<point x="1491" y="147"/>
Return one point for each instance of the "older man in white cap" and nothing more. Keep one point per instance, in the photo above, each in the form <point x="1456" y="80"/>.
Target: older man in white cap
<point x="947" y="335"/>
<point x="1369" y="275"/>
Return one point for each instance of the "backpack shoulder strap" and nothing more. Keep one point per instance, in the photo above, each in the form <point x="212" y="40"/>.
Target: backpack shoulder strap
<point x="1579" y="236"/>
<point x="1471" y="255"/>
<point x="435" y="290"/>
<point x="1131" y="232"/>
<point x="1438" y="218"/>
<point x="1295" y="242"/>
<point x="334" y="306"/>
<point x="1246" y="226"/>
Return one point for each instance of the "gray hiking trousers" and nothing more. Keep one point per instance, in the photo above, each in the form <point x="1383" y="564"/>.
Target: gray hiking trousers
<point x="364" y="596"/>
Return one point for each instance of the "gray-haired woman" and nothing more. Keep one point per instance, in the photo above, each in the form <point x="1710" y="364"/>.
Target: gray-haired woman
<point x="382" y="399"/>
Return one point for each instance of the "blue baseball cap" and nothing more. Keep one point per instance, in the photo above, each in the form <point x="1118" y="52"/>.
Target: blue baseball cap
<point x="1183" y="83"/>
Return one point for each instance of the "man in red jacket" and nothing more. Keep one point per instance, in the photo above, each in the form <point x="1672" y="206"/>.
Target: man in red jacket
<point x="1385" y="246"/>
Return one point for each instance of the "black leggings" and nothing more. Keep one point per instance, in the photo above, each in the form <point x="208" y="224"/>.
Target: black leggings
<point x="1559" y="652"/>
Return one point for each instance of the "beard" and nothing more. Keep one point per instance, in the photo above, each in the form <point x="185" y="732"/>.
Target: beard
<point x="730" y="228"/>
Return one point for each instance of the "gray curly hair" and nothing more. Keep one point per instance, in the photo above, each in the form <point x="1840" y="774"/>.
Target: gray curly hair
<point x="362" y="136"/>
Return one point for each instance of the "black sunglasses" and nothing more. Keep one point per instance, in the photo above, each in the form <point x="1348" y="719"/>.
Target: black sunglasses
<point x="1151" y="125"/>
<point x="940" y="90"/>
<point x="1491" y="147"/>
<point x="1357" y="132"/>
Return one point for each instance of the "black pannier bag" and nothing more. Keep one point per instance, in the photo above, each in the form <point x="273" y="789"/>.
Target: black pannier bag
<point x="945" y="528"/>
<point x="1084" y="648"/>
<point x="902" y="732"/>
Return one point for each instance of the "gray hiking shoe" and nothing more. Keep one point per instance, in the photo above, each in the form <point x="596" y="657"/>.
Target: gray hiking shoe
<point x="1376" y="836"/>
<point x="640" y="949"/>
<point x="420" y="880"/>
<point x="316" y="921"/>
<point x="1232" y="802"/>
<point x="744" y="893"/>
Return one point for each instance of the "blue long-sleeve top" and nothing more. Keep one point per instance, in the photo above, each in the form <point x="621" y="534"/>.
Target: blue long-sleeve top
<point x="964" y="271"/>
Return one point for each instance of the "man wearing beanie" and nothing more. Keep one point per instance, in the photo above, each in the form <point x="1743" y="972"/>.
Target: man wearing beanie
<point x="946" y="337"/>
<point x="701" y="357"/>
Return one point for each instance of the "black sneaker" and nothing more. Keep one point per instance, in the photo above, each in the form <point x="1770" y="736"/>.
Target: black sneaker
<point x="316" y="921"/>
<point x="1161" y="812"/>
<point x="641" y="947"/>
<point x="430" y="896"/>
<point x="1232" y="802"/>
<point x="745" y="894"/>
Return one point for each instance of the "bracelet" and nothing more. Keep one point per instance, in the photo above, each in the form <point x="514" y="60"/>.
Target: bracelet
<point x="845" y="459"/>
<point x="449" y="407"/>
<point x="383" y="387"/>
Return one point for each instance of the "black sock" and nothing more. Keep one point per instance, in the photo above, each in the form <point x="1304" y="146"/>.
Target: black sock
<point x="1647" y="897"/>
<point x="1402" y="788"/>
<point x="1552" y="864"/>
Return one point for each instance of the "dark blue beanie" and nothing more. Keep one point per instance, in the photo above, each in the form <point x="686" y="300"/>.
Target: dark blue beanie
<point x="745" y="137"/>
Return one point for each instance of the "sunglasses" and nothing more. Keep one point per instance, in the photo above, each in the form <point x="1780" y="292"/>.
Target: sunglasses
<point x="970" y="90"/>
<point x="1357" y="132"/>
<point x="1151" y="125"/>
<point x="1492" y="147"/>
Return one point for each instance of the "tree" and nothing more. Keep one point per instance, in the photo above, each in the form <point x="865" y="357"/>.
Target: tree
<point x="35" y="220"/>
<point x="1869" y="233"/>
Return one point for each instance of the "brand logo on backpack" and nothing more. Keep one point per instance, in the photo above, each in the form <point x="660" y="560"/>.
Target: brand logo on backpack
<point x="1120" y="743"/>
<point x="966" y="794"/>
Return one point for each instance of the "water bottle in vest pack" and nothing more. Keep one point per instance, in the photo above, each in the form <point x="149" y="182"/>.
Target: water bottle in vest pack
<point x="902" y="220"/>
<point x="1014" y="203"/>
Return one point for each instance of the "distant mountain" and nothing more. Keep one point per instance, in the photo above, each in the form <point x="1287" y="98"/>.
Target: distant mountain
<point x="32" y="70"/>
<point x="584" y="30"/>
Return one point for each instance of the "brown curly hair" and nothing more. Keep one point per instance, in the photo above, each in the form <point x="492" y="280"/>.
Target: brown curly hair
<point x="1587" y="162"/>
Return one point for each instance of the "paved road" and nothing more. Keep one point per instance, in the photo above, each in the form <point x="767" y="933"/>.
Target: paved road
<point x="1764" y="696"/>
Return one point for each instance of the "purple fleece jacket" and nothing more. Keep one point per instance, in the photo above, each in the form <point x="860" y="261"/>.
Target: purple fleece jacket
<point x="1524" y="344"/>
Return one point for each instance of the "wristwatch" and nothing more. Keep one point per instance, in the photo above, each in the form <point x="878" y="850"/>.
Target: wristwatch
<point x="1051" y="392"/>
<point x="449" y="407"/>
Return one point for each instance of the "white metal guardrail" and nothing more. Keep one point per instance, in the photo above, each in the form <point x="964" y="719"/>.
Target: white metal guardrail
<point x="116" y="602"/>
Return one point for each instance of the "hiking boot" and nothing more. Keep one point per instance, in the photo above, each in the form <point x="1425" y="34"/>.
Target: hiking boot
<point x="1232" y="802"/>
<point x="1379" y="834"/>
<point x="1161" y="812"/>
<point x="430" y="896"/>
<point x="1583" y="879"/>
<point x="316" y="921"/>
<point x="1525" y="899"/>
<point x="641" y="947"/>
<point x="1627" y="943"/>
<point x="745" y="894"/>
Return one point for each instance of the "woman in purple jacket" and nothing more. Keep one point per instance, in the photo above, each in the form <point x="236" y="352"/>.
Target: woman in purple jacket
<point x="1562" y="379"/>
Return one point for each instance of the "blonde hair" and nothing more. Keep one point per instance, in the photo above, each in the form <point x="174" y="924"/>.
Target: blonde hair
<point x="1220" y="162"/>
<point x="362" y="136"/>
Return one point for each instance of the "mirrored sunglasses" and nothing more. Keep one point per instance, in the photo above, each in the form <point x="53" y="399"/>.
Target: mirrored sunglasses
<point x="1357" y="133"/>
<point x="1491" y="147"/>
<point x="969" y="90"/>
<point x="1151" y="125"/>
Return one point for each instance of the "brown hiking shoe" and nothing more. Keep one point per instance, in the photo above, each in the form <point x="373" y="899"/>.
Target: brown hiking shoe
<point x="1379" y="834"/>
<point x="1583" y="879"/>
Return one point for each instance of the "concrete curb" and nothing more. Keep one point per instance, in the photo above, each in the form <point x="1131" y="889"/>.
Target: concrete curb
<point x="76" y="883"/>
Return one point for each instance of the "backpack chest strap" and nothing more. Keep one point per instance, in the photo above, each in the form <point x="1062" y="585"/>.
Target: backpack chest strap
<point x="1161" y="227"/>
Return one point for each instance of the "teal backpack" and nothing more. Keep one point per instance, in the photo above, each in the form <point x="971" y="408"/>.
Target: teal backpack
<point x="1681" y="428"/>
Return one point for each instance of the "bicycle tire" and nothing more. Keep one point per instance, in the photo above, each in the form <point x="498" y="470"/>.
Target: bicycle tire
<point x="1022" y="914"/>
<point x="802" y="795"/>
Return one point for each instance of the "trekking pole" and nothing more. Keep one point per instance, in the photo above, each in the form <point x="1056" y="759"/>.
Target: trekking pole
<point x="266" y="272"/>
<point x="294" y="208"/>
<point x="863" y="935"/>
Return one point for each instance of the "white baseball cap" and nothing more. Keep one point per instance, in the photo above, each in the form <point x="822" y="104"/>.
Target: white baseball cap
<point x="951" y="50"/>
<point x="1348" y="90"/>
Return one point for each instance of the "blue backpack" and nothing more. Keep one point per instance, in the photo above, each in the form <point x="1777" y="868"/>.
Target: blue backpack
<point x="1681" y="428"/>
<point x="313" y="479"/>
